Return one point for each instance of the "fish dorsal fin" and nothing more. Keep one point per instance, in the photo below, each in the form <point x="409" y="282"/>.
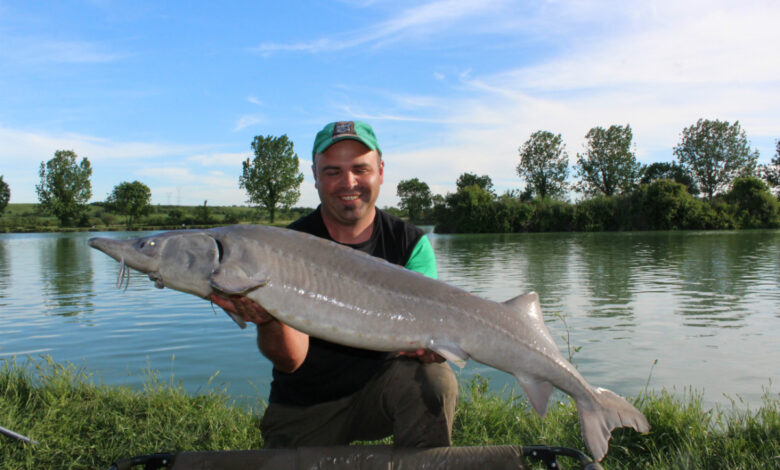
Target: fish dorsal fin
<point x="529" y="307"/>
<point x="231" y="279"/>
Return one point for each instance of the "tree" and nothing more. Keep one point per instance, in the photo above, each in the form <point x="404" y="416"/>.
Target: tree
<point x="669" y="171"/>
<point x="771" y="173"/>
<point x="130" y="199"/>
<point x="544" y="164"/>
<point x="470" y="179"/>
<point x="608" y="165"/>
<point x="65" y="187"/>
<point x="715" y="153"/>
<point x="272" y="179"/>
<point x="202" y="214"/>
<point x="754" y="205"/>
<point x="5" y="195"/>
<point x="415" y="197"/>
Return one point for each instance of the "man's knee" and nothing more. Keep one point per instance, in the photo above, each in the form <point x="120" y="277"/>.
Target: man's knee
<point x="439" y="387"/>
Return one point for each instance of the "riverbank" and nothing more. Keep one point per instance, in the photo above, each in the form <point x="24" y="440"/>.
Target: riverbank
<point x="81" y="424"/>
<point x="27" y="218"/>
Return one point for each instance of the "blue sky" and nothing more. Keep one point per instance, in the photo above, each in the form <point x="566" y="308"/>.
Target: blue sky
<point x="172" y="93"/>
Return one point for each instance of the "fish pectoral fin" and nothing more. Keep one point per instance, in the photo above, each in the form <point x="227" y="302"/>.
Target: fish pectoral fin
<point x="450" y="351"/>
<point x="538" y="394"/>
<point x="239" y="321"/>
<point x="232" y="280"/>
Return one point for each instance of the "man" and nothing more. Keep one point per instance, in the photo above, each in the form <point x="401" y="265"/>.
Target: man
<point x="328" y="394"/>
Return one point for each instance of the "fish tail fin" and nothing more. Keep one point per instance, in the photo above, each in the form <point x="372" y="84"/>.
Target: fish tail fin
<point x="607" y="412"/>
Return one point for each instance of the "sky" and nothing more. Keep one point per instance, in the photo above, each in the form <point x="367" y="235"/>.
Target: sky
<point x="172" y="93"/>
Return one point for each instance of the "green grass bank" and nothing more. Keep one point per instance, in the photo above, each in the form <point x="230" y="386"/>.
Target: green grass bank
<point x="81" y="424"/>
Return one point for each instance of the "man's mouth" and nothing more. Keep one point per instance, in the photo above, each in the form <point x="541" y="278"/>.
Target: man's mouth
<point x="349" y="197"/>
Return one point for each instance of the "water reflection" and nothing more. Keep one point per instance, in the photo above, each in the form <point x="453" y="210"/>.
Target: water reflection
<point x="5" y="270"/>
<point x="607" y="273"/>
<point x="719" y="272"/>
<point x="66" y="271"/>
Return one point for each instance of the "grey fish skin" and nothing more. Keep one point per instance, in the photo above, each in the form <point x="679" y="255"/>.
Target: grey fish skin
<point x="345" y="296"/>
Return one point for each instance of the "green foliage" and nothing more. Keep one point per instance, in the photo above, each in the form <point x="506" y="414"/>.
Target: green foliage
<point x="5" y="195"/>
<point x="544" y="165"/>
<point x="175" y="216"/>
<point x="669" y="171"/>
<point x="65" y="187"/>
<point x="597" y="214"/>
<point x="468" y="210"/>
<point x="770" y="173"/>
<point x="551" y="215"/>
<point x="80" y="425"/>
<point x="415" y="197"/>
<point x="470" y="179"/>
<point x="230" y="216"/>
<point x="668" y="206"/>
<point x="608" y="165"/>
<point x="130" y="199"/>
<point x="510" y="214"/>
<point x="272" y="179"/>
<point x="202" y="214"/>
<point x="754" y="205"/>
<point x="108" y="218"/>
<point x="715" y="153"/>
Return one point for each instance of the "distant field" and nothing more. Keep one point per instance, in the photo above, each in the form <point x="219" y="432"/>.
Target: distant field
<point x="27" y="217"/>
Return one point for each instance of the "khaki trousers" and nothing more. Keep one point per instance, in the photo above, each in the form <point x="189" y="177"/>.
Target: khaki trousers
<point x="414" y="402"/>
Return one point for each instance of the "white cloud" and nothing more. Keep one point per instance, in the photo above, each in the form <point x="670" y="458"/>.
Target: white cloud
<point x="420" y="20"/>
<point x="221" y="159"/>
<point x="659" y="76"/>
<point x="248" y="120"/>
<point x="36" y="50"/>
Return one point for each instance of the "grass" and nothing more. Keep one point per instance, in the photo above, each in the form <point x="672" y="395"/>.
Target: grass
<point x="26" y="217"/>
<point x="83" y="425"/>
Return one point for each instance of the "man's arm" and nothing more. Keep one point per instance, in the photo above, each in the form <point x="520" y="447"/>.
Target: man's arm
<point x="284" y="346"/>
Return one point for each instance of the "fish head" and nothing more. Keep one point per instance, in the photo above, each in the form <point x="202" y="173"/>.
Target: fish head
<point x="180" y="260"/>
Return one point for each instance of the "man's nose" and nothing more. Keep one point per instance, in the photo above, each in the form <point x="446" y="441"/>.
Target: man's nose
<point x="349" y="180"/>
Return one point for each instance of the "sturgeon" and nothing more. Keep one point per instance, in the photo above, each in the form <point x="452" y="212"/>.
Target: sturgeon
<point x="345" y="296"/>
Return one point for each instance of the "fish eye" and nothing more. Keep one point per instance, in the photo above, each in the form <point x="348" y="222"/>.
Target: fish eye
<point x="151" y="243"/>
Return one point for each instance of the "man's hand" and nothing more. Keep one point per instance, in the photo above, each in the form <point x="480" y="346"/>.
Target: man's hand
<point x="244" y="307"/>
<point x="425" y="356"/>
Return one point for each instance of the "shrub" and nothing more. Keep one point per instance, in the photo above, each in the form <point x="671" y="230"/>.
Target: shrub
<point x="668" y="206"/>
<point x="754" y="206"/>
<point x="552" y="215"/>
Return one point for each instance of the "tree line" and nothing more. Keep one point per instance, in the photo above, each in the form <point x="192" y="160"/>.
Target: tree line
<point x="271" y="180"/>
<point x="713" y="160"/>
<point x="714" y="183"/>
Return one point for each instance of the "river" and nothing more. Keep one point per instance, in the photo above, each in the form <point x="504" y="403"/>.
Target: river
<point x="676" y="310"/>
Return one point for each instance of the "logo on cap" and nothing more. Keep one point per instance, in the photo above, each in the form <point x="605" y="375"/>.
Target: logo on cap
<point x="344" y="127"/>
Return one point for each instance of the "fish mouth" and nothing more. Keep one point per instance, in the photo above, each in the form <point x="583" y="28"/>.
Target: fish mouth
<point x="157" y="278"/>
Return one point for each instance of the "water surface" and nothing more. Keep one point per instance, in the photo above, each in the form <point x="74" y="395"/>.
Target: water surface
<point x="704" y="305"/>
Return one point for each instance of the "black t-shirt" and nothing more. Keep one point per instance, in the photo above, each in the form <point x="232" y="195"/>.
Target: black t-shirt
<point x="332" y="371"/>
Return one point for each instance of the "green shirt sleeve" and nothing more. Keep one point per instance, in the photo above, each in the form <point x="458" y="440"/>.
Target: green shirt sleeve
<point x="423" y="259"/>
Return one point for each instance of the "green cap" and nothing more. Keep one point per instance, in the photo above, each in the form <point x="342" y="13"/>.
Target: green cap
<point x="342" y="130"/>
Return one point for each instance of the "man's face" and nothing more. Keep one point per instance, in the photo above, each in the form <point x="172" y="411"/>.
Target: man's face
<point x="347" y="176"/>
